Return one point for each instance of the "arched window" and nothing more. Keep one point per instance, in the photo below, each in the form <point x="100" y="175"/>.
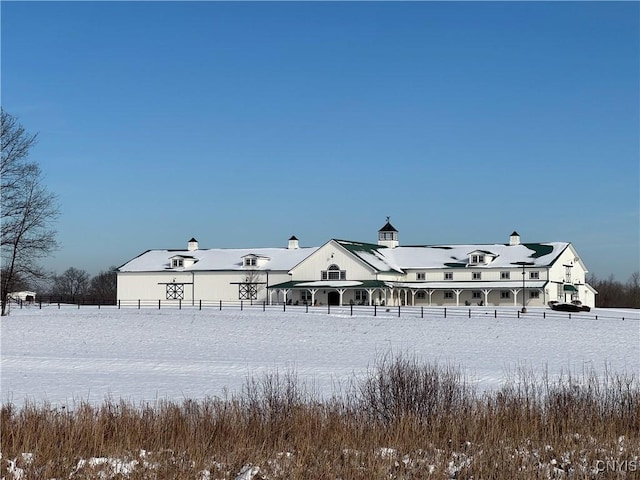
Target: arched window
<point x="333" y="272"/>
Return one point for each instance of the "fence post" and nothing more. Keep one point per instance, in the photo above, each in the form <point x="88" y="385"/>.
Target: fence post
<point x="544" y="314"/>
<point x="398" y="311"/>
<point x="351" y="308"/>
<point x="284" y="306"/>
<point x="78" y="304"/>
<point x="375" y="310"/>
<point x="241" y="305"/>
<point x="179" y="304"/>
<point x="138" y="304"/>
<point x="58" y="305"/>
<point x="118" y="304"/>
<point x="306" y="308"/>
<point x="200" y="304"/>
<point x="159" y="304"/>
<point x="328" y="308"/>
<point x="421" y="312"/>
<point x="518" y="313"/>
<point x="41" y="307"/>
<point x="220" y="305"/>
<point x="469" y="313"/>
<point x="445" y="312"/>
<point x="495" y="313"/>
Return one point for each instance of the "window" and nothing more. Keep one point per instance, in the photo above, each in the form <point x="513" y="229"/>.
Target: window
<point x="534" y="275"/>
<point x="361" y="295"/>
<point x="448" y="295"/>
<point x="421" y="295"/>
<point x="477" y="258"/>
<point x="250" y="261"/>
<point x="387" y="236"/>
<point x="177" y="262"/>
<point x="334" y="273"/>
<point x="305" y="296"/>
<point x="448" y="275"/>
<point x="567" y="273"/>
<point x="476" y="276"/>
<point x="505" y="275"/>
<point x="421" y="276"/>
<point x="247" y="291"/>
<point x="175" y="291"/>
<point x="534" y="294"/>
<point x="505" y="294"/>
<point x="476" y="294"/>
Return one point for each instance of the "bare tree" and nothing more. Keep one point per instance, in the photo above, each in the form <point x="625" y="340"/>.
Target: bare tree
<point x="28" y="209"/>
<point x="72" y="283"/>
<point x="104" y="285"/>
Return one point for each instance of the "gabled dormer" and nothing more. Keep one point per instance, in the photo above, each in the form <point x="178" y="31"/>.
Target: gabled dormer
<point x="253" y="261"/>
<point x="481" y="257"/>
<point x="182" y="261"/>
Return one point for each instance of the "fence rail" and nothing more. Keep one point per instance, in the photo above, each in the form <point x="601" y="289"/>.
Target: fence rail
<point x="344" y="310"/>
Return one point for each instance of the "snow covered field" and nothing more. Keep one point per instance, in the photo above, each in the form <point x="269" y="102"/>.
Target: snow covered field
<point x="70" y="354"/>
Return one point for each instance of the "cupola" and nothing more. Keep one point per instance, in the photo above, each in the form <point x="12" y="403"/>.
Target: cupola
<point x="293" y="243"/>
<point x="192" y="245"/>
<point x="514" y="239"/>
<point x="388" y="236"/>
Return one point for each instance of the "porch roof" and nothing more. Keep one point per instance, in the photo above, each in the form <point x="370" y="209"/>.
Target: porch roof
<point x="470" y="285"/>
<point x="356" y="284"/>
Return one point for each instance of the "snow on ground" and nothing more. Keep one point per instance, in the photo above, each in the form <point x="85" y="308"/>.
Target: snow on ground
<point x="89" y="354"/>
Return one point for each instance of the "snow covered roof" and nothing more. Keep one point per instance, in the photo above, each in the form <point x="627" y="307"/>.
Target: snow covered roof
<point x="280" y="259"/>
<point x="457" y="256"/>
<point x="380" y="258"/>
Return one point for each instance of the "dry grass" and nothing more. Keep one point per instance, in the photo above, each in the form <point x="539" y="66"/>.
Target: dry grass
<point x="404" y="420"/>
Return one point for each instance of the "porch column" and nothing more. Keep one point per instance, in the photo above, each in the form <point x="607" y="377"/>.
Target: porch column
<point x="341" y="292"/>
<point x="285" y="291"/>
<point x="370" y="293"/>
<point x="457" y="292"/>
<point x="430" y="292"/>
<point x="486" y="296"/>
<point x="515" y="292"/>
<point x="413" y="296"/>
<point x="313" y="295"/>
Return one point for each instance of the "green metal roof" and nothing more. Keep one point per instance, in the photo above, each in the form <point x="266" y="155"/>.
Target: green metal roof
<point x="305" y="284"/>
<point x="569" y="288"/>
<point x="539" y="249"/>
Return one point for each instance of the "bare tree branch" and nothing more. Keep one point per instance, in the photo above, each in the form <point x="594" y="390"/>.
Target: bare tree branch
<point x="28" y="210"/>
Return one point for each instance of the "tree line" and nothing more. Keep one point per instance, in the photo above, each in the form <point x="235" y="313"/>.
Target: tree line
<point x="613" y="293"/>
<point x="73" y="285"/>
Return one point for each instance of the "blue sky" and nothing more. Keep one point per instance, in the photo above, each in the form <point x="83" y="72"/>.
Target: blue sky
<point x="245" y="123"/>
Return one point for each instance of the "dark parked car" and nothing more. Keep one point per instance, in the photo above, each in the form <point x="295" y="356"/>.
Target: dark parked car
<point x="574" y="306"/>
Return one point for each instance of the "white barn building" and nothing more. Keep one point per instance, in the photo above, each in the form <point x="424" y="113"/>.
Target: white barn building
<point x="343" y="272"/>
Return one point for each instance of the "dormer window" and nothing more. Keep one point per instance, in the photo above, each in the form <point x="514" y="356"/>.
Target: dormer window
<point x="182" y="261"/>
<point x="481" y="257"/>
<point x="250" y="261"/>
<point x="477" y="258"/>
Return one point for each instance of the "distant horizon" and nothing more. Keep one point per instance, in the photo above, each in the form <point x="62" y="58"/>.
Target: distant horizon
<point x="243" y="123"/>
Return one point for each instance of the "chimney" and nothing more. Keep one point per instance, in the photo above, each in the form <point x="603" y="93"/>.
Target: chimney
<point x="514" y="239"/>
<point x="293" y="243"/>
<point x="192" y="245"/>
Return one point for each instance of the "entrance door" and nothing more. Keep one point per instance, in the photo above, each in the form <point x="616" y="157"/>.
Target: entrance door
<point x="333" y="298"/>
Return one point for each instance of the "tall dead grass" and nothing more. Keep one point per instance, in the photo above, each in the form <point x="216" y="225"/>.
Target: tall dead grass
<point x="404" y="420"/>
